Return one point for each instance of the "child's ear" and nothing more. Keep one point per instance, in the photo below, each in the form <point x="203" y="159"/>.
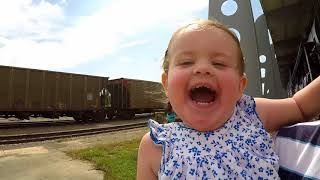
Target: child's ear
<point x="164" y="79"/>
<point x="243" y="83"/>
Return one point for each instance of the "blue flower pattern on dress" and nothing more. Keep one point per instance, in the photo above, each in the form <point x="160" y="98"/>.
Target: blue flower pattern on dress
<point x="240" y="149"/>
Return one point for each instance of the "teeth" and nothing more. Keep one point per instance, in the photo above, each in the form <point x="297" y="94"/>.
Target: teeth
<point x="200" y="86"/>
<point x="203" y="103"/>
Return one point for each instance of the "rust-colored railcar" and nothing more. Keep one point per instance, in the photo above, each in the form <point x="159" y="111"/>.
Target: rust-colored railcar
<point x="26" y="92"/>
<point x="131" y="96"/>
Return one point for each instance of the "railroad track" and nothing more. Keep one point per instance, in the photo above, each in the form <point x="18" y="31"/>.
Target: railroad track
<point x="10" y="125"/>
<point x="24" y="138"/>
<point x="35" y="124"/>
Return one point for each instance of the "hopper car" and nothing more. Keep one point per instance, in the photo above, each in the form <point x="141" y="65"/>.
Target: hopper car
<point x="132" y="96"/>
<point x="28" y="92"/>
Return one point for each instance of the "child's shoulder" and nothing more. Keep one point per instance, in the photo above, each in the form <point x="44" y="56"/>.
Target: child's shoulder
<point x="160" y="127"/>
<point x="159" y="133"/>
<point x="247" y="101"/>
<point x="247" y="104"/>
<point x="149" y="154"/>
<point x="246" y="110"/>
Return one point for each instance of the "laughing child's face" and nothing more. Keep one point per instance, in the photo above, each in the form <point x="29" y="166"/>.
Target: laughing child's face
<point x="203" y="82"/>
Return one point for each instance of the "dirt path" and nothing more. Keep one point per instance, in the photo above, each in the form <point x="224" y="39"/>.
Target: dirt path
<point x="47" y="160"/>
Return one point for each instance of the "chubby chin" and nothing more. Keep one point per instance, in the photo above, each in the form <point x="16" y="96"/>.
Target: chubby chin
<point x="202" y="122"/>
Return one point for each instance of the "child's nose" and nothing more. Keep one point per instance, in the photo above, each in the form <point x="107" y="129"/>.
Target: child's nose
<point x="203" y="68"/>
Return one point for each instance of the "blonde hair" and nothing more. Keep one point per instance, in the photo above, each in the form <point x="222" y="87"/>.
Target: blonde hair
<point x="205" y="24"/>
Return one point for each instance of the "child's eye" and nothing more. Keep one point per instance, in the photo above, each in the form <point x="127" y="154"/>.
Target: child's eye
<point x="218" y="64"/>
<point x="185" y="62"/>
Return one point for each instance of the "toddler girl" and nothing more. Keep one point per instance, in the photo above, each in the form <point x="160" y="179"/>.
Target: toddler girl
<point x="223" y="133"/>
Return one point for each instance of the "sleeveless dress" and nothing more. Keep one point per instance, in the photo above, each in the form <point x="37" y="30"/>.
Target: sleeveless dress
<point x="240" y="149"/>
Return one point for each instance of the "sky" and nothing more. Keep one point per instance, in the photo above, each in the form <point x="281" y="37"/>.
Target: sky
<point x="111" y="38"/>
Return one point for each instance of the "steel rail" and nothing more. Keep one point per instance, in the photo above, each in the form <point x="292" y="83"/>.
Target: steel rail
<point x="10" y="125"/>
<point x="24" y="138"/>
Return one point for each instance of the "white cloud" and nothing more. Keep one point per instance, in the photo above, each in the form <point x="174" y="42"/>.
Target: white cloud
<point x="35" y="35"/>
<point x="23" y="18"/>
<point x="134" y="43"/>
<point x="141" y="15"/>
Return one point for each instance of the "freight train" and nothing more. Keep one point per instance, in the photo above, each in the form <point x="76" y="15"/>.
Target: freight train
<point x="30" y="92"/>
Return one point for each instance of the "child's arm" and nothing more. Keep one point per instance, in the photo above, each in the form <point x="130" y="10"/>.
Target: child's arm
<point x="149" y="157"/>
<point x="303" y="106"/>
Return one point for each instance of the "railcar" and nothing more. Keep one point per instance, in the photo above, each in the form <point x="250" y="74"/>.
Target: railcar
<point x="25" y="92"/>
<point x="132" y="96"/>
<point x="30" y="92"/>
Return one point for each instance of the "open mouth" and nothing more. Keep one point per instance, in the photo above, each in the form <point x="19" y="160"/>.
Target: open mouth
<point x="203" y="95"/>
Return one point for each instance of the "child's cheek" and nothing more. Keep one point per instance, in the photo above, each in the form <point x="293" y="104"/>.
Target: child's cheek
<point x="231" y="83"/>
<point x="176" y="81"/>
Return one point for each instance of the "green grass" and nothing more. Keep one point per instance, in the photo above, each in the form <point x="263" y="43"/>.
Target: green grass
<point x="118" y="161"/>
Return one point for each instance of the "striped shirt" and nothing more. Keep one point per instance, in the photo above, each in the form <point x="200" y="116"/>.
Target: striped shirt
<point x="298" y="147"/>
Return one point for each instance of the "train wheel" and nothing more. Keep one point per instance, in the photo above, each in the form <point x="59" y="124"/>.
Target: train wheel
<point x="110" y="115"/>
<point x="23" y="115"/>
<point x="127" y="115"/>
<point x="77" y="117"/>
<point x="88" y="116"/>
<point x="131" y="115"/>
<point x="100" y="116"/>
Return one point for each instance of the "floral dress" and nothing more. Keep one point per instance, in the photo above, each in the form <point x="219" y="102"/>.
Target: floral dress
<point x="240" y="149"/>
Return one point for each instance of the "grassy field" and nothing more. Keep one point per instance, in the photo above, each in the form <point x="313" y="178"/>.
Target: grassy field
<point x="118" y="161"/>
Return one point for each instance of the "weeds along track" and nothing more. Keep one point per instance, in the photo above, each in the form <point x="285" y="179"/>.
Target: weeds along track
<point x="24" y="138"/>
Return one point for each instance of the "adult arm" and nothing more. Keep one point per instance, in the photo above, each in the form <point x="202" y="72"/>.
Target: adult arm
<point x="304" y="105"/>
<point x="149" y="156"/>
